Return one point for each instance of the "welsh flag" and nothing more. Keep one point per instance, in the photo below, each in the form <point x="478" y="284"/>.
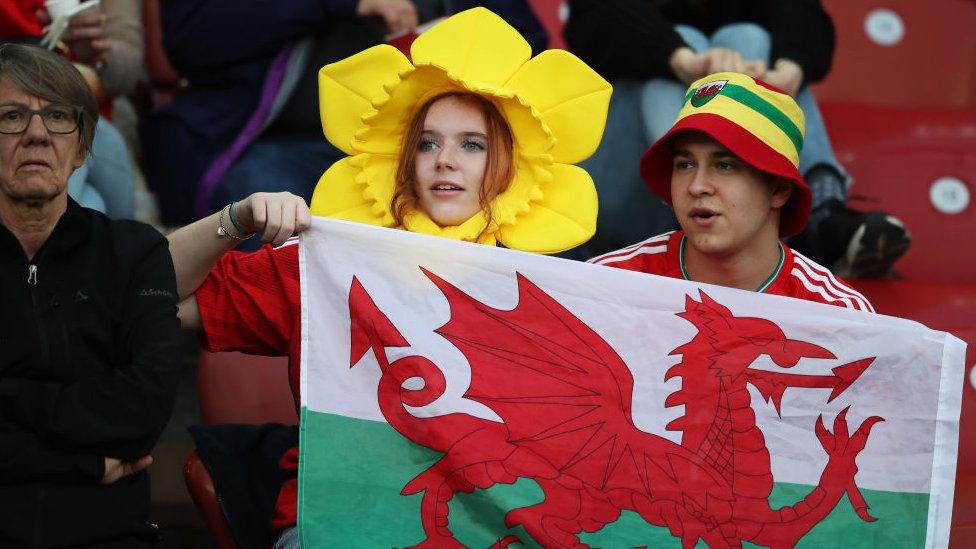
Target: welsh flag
<point x="458" y="395"/>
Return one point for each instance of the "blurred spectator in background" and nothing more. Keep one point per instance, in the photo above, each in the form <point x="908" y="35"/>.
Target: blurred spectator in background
<point x="105" y="43"/>
<point x="652" y="49"/>
<point x="109" y="38"/>
<point x="249" y="120"/>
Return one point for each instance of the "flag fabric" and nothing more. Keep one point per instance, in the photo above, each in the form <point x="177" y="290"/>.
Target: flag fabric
<point x="460" y="395"/>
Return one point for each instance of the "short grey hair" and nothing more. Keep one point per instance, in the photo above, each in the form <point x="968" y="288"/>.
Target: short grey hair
<point x="52" y="78"/>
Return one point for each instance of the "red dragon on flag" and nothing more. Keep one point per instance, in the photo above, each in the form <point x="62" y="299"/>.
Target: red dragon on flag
<point x="564" y="396"/>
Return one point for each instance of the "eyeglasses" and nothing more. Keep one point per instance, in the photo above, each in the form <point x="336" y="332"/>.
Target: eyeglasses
<point x="57" y="118"/>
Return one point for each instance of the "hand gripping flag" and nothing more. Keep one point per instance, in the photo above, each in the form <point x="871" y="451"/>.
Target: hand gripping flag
<point x="459" y="395"/>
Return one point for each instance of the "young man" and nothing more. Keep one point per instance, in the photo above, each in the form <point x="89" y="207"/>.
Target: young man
<point x="728" y="167"/>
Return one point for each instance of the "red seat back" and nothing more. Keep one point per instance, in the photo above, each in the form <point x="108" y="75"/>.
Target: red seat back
<point x="895" y="157"/>
<point x="239" y="388"/>
<point x="932" y="65"/>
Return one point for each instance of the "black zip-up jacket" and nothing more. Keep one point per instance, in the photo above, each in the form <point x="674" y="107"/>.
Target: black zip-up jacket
<point x="89" y="364"/>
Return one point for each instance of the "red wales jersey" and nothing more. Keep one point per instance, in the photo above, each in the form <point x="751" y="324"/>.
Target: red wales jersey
<point x="795" y="276"/>
<point x="251" y="302"/>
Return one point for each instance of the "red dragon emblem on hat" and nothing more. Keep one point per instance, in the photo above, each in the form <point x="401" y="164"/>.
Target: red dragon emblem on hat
<point x="707" y="91"/>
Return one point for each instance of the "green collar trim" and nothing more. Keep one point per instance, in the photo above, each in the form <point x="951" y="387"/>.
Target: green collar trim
<point x="762" y="287"/>
<point x="681" y="259"/>
<point x="779" y="267"/>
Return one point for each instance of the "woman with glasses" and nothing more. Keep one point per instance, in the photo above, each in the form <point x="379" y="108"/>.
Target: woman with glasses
<point x="105" y="45"/>
<point x="88" y="327"/>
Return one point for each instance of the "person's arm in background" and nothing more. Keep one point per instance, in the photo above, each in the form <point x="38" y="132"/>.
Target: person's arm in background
<point x="803" y="42"/>
<point x="121" y="413"/>
<point x="245" y="30"/>
<point x="622" y="38"/>
<point x="124" y="42"/>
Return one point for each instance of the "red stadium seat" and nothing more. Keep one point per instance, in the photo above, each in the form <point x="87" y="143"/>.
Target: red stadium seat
<point x="235" y="388"/>
<point x="933" y="64"/>
<point x="201" y="488"/>
<point x="946" y="307"/>
<point x="895" y="156"/>
<point x="901" y="117"/>
<point x="239" y="388"/>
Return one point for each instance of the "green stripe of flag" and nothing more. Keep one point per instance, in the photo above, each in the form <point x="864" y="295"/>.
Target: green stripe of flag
<point x="351" y="497"/>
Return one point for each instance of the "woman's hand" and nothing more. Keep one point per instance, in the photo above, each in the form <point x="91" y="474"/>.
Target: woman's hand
<point x="116" y="468"/>
<point x="276" y="216"/>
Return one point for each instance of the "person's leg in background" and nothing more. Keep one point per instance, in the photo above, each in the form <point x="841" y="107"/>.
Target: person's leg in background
<point x="275" y="164"/>
<point x="105" y="180"/>
<point x="851" y="243"/>
<point x="827" y="181"/>
<point x="629" y="212"/>
<point x="661" y="98"/>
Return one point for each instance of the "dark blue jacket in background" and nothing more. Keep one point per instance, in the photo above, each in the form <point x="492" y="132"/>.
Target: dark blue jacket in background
<point x="225" y="50"/>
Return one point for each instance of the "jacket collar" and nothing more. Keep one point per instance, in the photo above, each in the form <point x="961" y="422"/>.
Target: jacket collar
<point x="71" y="229"/>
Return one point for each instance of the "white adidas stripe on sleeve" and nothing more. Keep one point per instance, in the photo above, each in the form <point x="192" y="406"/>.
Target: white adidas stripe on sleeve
<point x="809" y="271"/>
<point x="654" y="245"/>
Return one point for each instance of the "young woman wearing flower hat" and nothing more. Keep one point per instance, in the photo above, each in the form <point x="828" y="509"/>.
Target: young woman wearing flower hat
<point x="467" y="140"/>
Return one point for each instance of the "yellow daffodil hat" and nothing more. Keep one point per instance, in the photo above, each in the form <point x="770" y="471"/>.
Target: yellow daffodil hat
<point x="555" y="106"/>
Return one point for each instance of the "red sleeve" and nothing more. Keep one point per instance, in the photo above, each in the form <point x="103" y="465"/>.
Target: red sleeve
<point x="657" y="255"/>
<point x="250" y="302"/>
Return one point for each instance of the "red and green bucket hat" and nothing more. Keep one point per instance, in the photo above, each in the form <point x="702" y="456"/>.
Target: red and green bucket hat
<point x="755" y="121"/>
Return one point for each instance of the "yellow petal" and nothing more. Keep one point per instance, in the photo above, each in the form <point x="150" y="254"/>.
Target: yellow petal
<point x="348" y="89"/>
<point x="570" y="98"/>
<point x="474" y="45"/>
<point x="378" y="175"/>
<point x="388" y="124"/>
<point x="339" y="195"/>
<point x="531" y="138"/>
<point x="563" y="219"/>
<point x="522" y="192"/>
